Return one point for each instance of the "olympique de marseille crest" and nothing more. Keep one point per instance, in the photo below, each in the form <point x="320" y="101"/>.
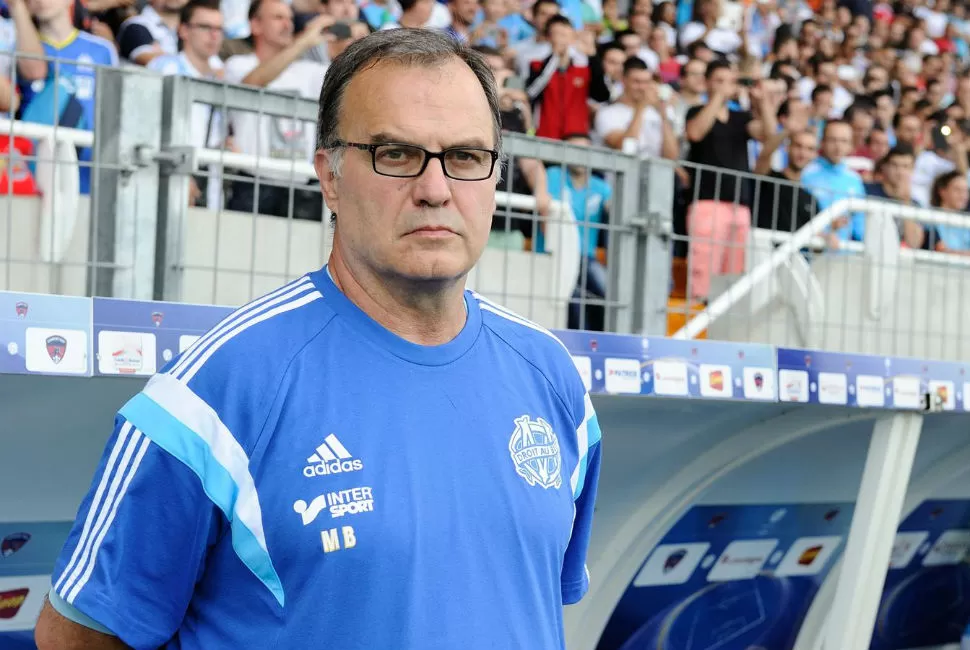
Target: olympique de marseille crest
<point x="534" y="448"/>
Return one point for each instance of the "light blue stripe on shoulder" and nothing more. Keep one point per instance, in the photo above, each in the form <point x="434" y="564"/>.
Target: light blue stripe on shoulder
<point x="169" y="433"/>
<point x="593" y="432"/>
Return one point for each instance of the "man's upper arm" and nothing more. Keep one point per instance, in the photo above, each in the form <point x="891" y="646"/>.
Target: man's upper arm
<point x="583" y="481"/>
<point x="135" y="40"/>
<point x="138" y="545"/>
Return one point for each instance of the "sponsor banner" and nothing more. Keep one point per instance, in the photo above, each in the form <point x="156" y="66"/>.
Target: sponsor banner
<point x="716" y="381"/>
<point x="742" y="560"/>
<point x="585" y="367"/>
<point x="870" y="391"/>
<point x="808" y="556"/>
<point x="671" y="564"/>
<point x="670" y="378"/>
<point x="905" y="547"/>
<point x="21" y="599"/>
<point x="139" y="338"/>
<point x="55" y="347"/>
<point x="759" y="383"/>
<point x="793" y="385"/>
<point x="622" y="376"/>
<point x="833" y="388"/>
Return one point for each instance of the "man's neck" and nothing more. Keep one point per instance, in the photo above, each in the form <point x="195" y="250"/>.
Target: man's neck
<point x="171" y="19"/>
<point x="265" y="51"/>
<point x="417" y="314"/>
<point x="200" y="63"/>
<point x="792" y="174"/>
<point x="56" y="30"/>
<point x="408" y="20"/>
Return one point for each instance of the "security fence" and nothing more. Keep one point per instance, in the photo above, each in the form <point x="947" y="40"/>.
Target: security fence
<point x="184" y="207"/>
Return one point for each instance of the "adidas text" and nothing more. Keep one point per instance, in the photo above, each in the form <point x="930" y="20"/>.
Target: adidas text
<point x="333" y="467"/>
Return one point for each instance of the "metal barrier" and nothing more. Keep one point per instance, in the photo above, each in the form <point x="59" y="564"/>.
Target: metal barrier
<point x="162" y="221"/>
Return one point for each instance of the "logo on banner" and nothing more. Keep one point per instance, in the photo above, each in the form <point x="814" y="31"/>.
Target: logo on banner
<point x="759" y="380"/>
<point x="13" y="543"/>
<point x="157" y="317"/>
<point x="534" y="448"/>
<point x="11" y="602"/>
<point x="674" y="559"/>
<point x="21" y="309"/>
<point x="943" y="392"/>
<point x="56" y="348"/>
<point x="809" y="555"/>
<point x="717" y="380"/>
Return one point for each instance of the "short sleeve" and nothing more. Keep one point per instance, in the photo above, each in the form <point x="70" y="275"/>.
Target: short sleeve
<point x="138" y="545"/>
<point x="585" y="480"/>
<point x="237" y="67"/>
<point x="135" y="39"/>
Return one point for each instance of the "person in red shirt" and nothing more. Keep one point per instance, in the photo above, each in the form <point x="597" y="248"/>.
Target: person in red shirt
<point x="559" y="84"/>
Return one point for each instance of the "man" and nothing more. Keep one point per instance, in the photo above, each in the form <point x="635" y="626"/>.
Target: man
<point x="18" y="36"/>
<point x="947" y="151"/>
<point x="559" y="84"/>
<point x="639" y="116"/>
<point x="463" y="15"/>
<point x="829" y="179"/>
<point x="200" y="32"/>
<point x="67" y="96"/>
<point x="781" y="204"/>
<point x="537" y="47"/>
<point x="719" y="219"/>
<point x="896" y="172"/>
<point x="276" y="64"/>
<point x="589" y="197"/>
<point x="371" y="456"/>
<point x="152" y="33"/>
<point x="606" y="76"/>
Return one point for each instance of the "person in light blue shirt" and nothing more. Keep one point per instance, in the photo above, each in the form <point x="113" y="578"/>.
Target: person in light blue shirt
<point x="950" y="192"/>
<point x="67" y="96"/>
<point x="370" y="456"/>
<point x="589" y="197"/>
<point x="829" y="179"/>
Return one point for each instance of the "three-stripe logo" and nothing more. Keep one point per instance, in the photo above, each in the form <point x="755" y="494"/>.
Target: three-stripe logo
<point x="331" y="457"/>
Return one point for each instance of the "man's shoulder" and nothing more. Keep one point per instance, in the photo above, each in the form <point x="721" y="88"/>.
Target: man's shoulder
<point x="536" y="344"/>
<point x="251" y="349"/>
<point x="97" y="44"/>
<point x="239" y="65"/>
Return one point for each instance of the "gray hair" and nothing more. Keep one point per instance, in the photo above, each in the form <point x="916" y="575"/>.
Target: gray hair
<point x="405" y="46"/>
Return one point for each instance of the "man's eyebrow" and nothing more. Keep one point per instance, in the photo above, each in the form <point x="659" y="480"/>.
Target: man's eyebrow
<point x="384" y="137"/>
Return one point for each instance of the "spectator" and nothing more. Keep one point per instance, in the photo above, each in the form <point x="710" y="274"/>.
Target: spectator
<point x="639" y="116"/>
<point x="606" y="75"/>
<point x="693" y="91"/>
<point x="821" y="108"/>
<point x="559" y="85"/>
<point x="719" y="218"/>
<point x="18" y="36"/>
<point x="464" y="14"/>
<point x="949" y="192"/>
<point x="537" y="47"/>
<point x="781" y="204"/>
<point x="634" y="45"/>
<point x="589" y="197"/>
<point x="151" y="33"/>
<point x="200" y="33"/>
<point x="342" y="11"/>
<point x="66" y="97"/>
<point x="525" y="175"/>
<point x="829" y="179"/>
<point x="909" y="130"/>
<point x="414" y="13"/>
<point x="276" y="64"/>
<point x="704" y="28"/>
<point x="380" y="13"/>
<point x="668" y="67"/>
<point x="895" y="183"/>
<point x="947" y="151"/>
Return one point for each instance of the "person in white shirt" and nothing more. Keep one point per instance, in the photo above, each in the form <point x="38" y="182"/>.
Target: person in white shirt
<point x="152" y="33"/>
<point x="705" y="27"/>
<point x="201" y="33"/>
<point x="276" y="64"/>
<point x="639" y="116"/>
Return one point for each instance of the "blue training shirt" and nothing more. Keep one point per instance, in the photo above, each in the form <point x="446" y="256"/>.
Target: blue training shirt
<point x="303" y="477"/>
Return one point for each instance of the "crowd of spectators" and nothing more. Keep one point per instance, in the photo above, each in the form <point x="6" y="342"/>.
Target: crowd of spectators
<point x="768" y="110"/>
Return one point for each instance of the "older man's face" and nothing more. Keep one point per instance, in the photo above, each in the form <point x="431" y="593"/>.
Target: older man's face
<point x="426" y="228"/>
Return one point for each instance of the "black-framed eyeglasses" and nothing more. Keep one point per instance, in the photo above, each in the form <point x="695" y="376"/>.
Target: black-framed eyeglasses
<point x="401" y="160"/>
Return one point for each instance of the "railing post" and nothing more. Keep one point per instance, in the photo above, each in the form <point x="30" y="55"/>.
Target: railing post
<point x="173" y="188"/>
<point x="653" y="279"/>
<point x="623" y="252"/>
<point x="124" y="183"/>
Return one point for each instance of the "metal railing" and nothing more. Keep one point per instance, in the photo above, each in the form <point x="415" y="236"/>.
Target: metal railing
<point x="145" y="232"/>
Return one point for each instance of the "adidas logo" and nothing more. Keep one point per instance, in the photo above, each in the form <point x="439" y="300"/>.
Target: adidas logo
<point x="331" y="457"/>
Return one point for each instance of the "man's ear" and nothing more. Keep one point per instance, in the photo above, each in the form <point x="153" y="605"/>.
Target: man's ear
<point x="322" y="162"/>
